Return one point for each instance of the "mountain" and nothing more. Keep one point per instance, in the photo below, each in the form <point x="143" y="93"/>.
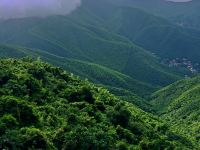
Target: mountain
<point x="179" y="103"/>
<point x="112" y="35"/>
<point x="183" y="14"/>
<point x="44" y="107"/>
<point x="82" y="36"/>
<point x="153" y="32"/>
<point x="118" y="83"/>
<point x="136" y="53"/>
<point x="156" y="34"/>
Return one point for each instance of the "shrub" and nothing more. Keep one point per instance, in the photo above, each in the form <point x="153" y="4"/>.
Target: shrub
<point x="19" y="109"/>
<point x="7" y="122"/>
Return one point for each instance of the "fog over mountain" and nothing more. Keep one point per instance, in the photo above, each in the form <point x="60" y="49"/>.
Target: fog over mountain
<point x="40" y="8"/>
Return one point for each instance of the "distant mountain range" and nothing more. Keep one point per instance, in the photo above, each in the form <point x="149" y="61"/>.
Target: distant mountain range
<point x="111" y="44"/>
<point x="84" y="36"/>
<point x="129" y="47"/>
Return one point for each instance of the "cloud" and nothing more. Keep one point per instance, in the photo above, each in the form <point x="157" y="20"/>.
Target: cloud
<point x="40" y="8"/>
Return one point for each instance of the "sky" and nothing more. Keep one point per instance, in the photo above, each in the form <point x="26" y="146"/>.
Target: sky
<point x="28" y="8"/>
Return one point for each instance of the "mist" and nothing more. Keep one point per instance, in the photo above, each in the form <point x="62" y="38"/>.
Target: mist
<point x="36" y="8"/>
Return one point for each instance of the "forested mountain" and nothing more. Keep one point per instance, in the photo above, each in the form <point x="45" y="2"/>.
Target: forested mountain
<point x="156" y="34"/>
<point x="72" y="38"/>
<point x="125" y="88"/>
<point x="150" y="31"/>
<point x="118" y="83"/>
<point x="107" y="34"/>
<point x="179" y="103"/>
<point x="183" y="14"/>
<point x="43" y="107"/>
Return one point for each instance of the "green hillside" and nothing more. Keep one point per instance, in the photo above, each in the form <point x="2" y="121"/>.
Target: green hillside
<point x="183" y="14"/>
<point x="150" y="30"/>
<point x="123" y="88"/>
<point x="43" y="107"/>
<point x="71" y="38"/>
<point x="88" y="34"/>
<point x="119" y="84"/>
<point x="179" y="103"/>
<point x="155" y="34"/>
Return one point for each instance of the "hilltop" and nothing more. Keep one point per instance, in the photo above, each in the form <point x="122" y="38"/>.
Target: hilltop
<point x="120" y="84"/>
<point x="44" y="107"/>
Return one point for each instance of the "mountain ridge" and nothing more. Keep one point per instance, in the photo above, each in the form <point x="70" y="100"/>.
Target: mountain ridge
<point x="48" y="93"/>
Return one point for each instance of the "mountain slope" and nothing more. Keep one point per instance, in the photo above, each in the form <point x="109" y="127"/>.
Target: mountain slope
<point x="179" y="103"/>
<point x="52" y="109"/>
<point x="183" y="14"/>
<point x="71" y="38"/>
<point x="150" y="31"/>
<point x="120" y="84"/>
<point x="155" y="34"/>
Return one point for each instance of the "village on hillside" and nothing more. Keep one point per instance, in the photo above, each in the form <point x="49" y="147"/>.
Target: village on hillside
<point x="194" y="68"/>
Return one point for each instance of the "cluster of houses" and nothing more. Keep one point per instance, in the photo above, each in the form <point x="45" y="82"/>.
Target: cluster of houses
<point x="184" y="63"/>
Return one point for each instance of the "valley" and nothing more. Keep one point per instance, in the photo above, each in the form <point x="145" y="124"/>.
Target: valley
<point x="110" y="74"/>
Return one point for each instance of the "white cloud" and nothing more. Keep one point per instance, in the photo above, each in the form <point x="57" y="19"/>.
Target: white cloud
<point x="28" y="8"/>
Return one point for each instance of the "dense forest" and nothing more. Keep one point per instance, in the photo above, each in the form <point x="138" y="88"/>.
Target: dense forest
<point x="45" y="107"/>
<point x="179" y="104"/>
<point x="111" y="74"/>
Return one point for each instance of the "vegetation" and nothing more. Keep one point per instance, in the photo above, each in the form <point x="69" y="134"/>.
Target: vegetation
<point x="183" y="14"/>
<point x="160" y="36"/>
<point x="44" y="107"/>
<point x="93" y="72"/>
<point x="84" y="36"/>
<point x="117" y="47"/>
<point x="179" y="104"/>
